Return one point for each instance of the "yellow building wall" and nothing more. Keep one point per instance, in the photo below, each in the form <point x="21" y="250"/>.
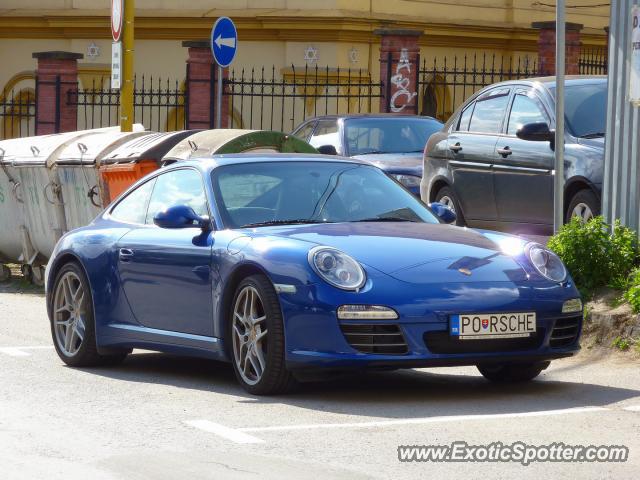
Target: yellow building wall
<point x="277" y="33"/>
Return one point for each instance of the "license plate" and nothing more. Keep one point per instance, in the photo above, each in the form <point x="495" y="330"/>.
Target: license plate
<point x="486" y="326"/>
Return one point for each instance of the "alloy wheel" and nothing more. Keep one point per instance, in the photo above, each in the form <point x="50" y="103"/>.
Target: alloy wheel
<point x="249" y="332"/>
<point x="582" y="211"/>
<point x="69" y="314"/>
<point x="448" y="202"/>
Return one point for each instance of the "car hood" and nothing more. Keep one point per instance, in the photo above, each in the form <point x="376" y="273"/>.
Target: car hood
<point x="393" y="160"/>
<point x="414" y="252"/>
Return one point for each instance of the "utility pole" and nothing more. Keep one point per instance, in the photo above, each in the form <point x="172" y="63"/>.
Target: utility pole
<point x="558" y="187"/>
<point x="126" y="92"/>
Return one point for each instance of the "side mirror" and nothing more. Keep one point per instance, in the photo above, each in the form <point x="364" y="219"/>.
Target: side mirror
<point x="536" y="132"/>
<point x="328" y="150"/>
<point x="443" y="212"/>
<point x="181" y="216"/>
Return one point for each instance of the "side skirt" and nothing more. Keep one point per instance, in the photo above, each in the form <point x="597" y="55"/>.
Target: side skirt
<point x="123" y="336"/>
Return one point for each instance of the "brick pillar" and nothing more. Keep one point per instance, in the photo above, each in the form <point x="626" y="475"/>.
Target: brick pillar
<point x="56" y="75"/>
<point x="202" y="87"/>
<point x="547" y="47"/>
<point x="399" y="64"/>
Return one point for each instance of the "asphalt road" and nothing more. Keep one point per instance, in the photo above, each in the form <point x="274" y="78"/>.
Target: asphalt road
<point x="163" y="417"/>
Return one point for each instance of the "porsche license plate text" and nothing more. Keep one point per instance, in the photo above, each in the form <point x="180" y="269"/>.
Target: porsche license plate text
<point x="485" y="326"/>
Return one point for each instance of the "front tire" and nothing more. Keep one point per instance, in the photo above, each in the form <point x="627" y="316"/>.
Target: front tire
<point x="256" y="333"/>
<point x="72" y="320"/>
<point x="512" y="372"/>
<point x="446" y="196"/>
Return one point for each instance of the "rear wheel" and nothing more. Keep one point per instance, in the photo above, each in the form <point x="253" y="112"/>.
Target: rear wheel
<point x="512" y="372"/>
<point x="72" y="320"/>
<point x="446" y="196"/>
<point x="257" y="338"/>
<point x="584" y="205"/>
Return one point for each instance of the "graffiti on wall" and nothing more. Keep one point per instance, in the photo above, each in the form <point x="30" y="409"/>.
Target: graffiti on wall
<point x="402" y="97"/>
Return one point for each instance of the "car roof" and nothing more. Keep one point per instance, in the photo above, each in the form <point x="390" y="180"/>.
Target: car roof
<point x="372" y="115"/>
<point x="215" y="161"/>
<point x="550" y="81"/>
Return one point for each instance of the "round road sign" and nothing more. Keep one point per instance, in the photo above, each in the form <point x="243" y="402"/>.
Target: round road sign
<point x="224" y="41"/>
<point x="117" y="7"/>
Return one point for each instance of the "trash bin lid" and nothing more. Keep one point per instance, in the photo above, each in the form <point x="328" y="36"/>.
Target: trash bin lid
<point x="148" y="147"/>
<point x="39" y="149"/>
<point x="90" y="149"/>
<point x="220" y="141"/>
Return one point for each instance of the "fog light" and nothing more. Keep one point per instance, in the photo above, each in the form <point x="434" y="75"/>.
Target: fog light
<point x="572" y="306"/>
<point x="366" y="312"/>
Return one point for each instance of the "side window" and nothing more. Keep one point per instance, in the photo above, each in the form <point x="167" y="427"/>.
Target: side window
<point x="489" y="112"/>
<point x="525" y="109"/>
<point x="133" y="207"/>
<point x="179" y="187"/>
<point x="465" y="117"/>
<point x="326" y="134"/>
<point x="305" y="131"/>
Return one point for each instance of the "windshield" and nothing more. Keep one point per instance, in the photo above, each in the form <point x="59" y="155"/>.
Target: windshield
<point x="585" y="109"/>
<point x="388" y="135"/>
<point x="270" y="193"/>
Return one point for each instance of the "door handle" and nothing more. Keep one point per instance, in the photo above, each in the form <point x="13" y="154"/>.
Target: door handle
<point x="505" y="152"/>
<point x="455" y="148"/>
<point x="125" y="254"/>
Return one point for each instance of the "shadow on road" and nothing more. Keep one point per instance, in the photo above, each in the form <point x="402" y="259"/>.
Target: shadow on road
<point x="400" y="394"/>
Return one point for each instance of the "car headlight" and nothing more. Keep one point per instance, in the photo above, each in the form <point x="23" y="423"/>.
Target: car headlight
<point x="547" y="263"/>
<point x="408" y="181"/>
<point x="337" y="268"/>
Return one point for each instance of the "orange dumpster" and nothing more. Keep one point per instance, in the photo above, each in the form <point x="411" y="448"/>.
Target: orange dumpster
<point x="118" y="177"/>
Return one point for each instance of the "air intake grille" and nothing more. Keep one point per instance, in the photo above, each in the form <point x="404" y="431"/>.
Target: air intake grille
<point x="375" y="338"/>
<point x="443" y="342"/>
<point x="565" y="332"/>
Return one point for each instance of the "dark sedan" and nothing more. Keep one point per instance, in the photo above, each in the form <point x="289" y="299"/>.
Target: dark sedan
<point x="493" y="161"/>
<point x="393" y="143"/>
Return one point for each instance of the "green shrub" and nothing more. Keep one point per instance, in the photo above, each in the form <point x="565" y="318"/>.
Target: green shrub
<point x="621" y="344"/>
<point x="596" y="254"/>
<point x="632" y="295"/>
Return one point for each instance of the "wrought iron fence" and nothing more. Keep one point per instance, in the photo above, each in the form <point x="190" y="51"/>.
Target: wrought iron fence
<point x="158" y="104"/>
<point x="593" y="62"/>
<point x="445" y="83"/>
<point x="267" y="99"/>
<point x="17" y="113"/>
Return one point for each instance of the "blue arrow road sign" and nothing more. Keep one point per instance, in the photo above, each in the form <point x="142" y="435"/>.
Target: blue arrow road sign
<point x="224" y="41"/>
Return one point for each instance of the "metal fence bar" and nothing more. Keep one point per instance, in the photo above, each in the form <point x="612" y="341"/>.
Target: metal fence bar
<point x="284" y="100"/>
<point x="17" y="113"/>
<point x="158" y="104"/>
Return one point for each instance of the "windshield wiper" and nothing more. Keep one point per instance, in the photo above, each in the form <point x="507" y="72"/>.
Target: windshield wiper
<point x="593" y="135"/>
<point x="386" y="219"/>
<point x="297" y="221"/>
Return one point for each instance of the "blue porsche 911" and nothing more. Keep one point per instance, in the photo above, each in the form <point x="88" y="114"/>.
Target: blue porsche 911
<point x="293" y="267"/>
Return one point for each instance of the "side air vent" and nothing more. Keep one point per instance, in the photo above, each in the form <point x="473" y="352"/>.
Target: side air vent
<point x="375" y="338"/>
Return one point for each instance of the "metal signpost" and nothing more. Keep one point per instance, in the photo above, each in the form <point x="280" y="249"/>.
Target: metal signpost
<point x="558" y="187"/>
<point x="224" y="45"/>
<point x="127" y="9"/>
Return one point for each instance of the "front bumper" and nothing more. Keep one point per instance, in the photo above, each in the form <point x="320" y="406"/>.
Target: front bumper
<point x="315" y="338"/>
